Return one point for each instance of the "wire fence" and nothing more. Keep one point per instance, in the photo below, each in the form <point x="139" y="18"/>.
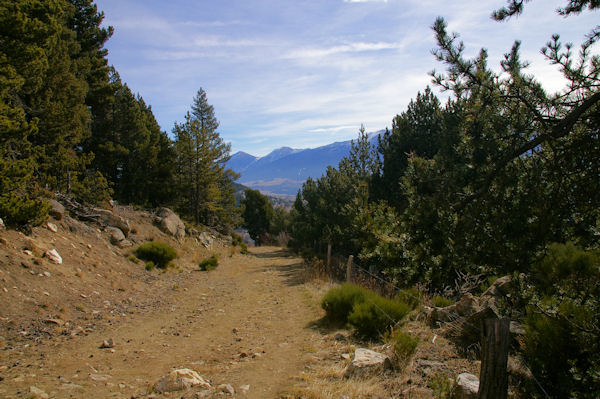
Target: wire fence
<point x="338" y="268"/>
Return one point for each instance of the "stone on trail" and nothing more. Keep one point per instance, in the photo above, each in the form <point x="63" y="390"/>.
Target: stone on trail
<point x="466" y="387"/>
<point x="107" y="344"/>
<point x="52" y="227"/>
<point x="36" y="393"/>
<point x="178" y="380"/>
<point x="367" y="362"/>
<point x="227" y="388"/>
<point x="53" y="256"/>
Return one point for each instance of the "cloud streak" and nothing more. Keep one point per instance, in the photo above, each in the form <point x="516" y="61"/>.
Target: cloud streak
<point x="307" y="73"/>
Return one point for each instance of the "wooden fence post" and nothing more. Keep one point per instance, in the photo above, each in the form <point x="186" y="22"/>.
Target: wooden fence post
<point x="328" y="255"/>
<point x="349" y="269"/>
<point x="495" y="339"/>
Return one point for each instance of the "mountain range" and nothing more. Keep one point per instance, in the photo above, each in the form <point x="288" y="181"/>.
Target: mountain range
<point x="282" y="171"/>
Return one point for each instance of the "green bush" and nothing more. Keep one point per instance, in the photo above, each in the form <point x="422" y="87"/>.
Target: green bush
<point x="209" y="264"/>
<point x="243" y="249"/>
<point x="562" y="340"/>
<point x="339" y="301"/>
<point x="17" y="211"/>
<point x="159" y="253"/>
<point x="410" y="296"/>
<point x="149" y="265"/>
<point x="374" y="316"/>
<point x="404" y="344"/>
<point x="236" y="239"/>
<point x="441" y="302"/>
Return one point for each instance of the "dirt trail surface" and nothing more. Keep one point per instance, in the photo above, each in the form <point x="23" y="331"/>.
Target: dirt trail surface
<point x="246" y="324"/>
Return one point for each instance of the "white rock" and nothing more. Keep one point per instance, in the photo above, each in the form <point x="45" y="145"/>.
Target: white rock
<point x="466" y="387"/>
<point x="367" y="362"/>
<point x="36" y="393"/>
<point x="178" y="380"/>
<point x="53" y="256"/>
<point x="244" y="389"/>
<point x="100" y="377"/>
<point x="107" y="344"/>
<point x="227" y="388"/>
<point x="2" y="225"/>
<point x="52" y="227"/>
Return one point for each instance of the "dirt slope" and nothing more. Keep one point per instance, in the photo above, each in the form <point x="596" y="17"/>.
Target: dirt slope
<point x="245" y="324"/>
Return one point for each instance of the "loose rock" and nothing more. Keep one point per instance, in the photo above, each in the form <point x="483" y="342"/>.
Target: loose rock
<point x="52" y="227"/>
<point x="36" y="393"/>
<point x="57" y="210"/>
<point x="227" y="388"/>
<point x="107" y="344"/>
<point x="53" y="256"/>
<point x="178" y="380"/>
<point x="367" y="362"/>
<point x="466" y="387"/>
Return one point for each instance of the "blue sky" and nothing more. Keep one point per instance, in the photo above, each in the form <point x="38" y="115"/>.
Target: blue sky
<point x="303" y="73"/>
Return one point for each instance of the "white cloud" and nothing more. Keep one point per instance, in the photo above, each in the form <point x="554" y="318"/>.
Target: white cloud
<point x="345" y="48"/>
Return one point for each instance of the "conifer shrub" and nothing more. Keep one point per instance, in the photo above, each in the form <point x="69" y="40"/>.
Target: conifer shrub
<point x="159" y="253"/>
<point x="562" y="340"/>
<point x="236" y="239"/>
<point x="339" y="301"/>
<point x="404" y="344"/>
<point x="410" y="296"/>
<point x="209" y="264"/>
<point x="243" y="249"/>
<point x="376" y="315"/>
<point x="149" y="265"/>
<point x="441" y="302"/>
<point x="17" y="211"/>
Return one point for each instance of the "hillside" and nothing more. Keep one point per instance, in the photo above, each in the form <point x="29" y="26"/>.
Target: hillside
<point x="99" y="325"/>
<point x="283" y="170"/>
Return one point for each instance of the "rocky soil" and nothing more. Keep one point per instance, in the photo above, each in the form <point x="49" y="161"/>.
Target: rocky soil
<point x="98" y="325"/>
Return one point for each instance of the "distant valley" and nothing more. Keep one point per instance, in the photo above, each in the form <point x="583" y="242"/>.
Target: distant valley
<point x="282" y="171"/>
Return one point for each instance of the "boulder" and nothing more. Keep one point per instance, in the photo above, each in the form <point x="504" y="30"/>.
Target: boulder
<point x="206" y="239"/>
<point x="53" y="256"/>
<point x="170" y="223"/>
<point x="116" y="235"/>
<point x="367" y="362"/>
<point x="110" y="219"/>
<point x="501" y="288"/>
<point x="466" y="386"/>
<point x="57" y="210"/>
<point x="466" y="306"/>
<point x="179" y="380"/>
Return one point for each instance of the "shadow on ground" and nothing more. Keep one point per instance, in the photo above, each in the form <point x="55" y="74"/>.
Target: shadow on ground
<point x="279" y="253"/>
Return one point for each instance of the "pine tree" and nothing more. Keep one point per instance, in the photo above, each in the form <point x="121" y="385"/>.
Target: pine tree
<point x="201" y="157"/>
<point x="257" y="214"/>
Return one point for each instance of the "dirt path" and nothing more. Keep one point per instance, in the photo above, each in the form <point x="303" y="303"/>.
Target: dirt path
<point x="247" y="323"/>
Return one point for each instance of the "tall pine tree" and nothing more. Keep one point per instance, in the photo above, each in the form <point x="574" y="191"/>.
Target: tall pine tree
<point x="201" y="156"/>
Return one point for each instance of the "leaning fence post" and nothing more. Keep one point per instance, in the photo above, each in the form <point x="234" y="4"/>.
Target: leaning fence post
<point x="495" y="336"/>
<point x="349" y="269"/>
<point x="328" y="255"/>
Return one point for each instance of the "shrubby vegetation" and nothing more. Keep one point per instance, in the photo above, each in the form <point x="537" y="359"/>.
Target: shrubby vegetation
<point x="370" y="314"/>
<point x="484" y="185"/>
<point x="209" y="264"/>
<point x="159" y="254"/>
